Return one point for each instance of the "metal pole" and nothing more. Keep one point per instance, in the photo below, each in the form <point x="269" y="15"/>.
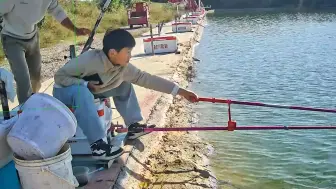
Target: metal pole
<point x="72" y="51"/>
<point x="4" y="100"/>
<point x="199" y="5"/>
<point x="93" y="32"/>
<point x="152" y="40"/>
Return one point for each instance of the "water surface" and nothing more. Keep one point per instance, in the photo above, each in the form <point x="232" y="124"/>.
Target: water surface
<point x="284" y="59"/>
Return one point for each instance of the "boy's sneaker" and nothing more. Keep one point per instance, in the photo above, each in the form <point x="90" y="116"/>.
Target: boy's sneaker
<point x="133" y="135"/>
<point x="103" y="151"/>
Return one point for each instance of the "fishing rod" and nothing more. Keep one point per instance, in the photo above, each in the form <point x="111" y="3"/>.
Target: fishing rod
<point x="227" y="101"/>
<point x="104" y="6"/>
<point x="232" y="125"/>
<point x="222" y="128"/>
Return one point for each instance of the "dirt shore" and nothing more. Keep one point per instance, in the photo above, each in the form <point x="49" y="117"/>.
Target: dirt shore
<point x="171" y="159"/>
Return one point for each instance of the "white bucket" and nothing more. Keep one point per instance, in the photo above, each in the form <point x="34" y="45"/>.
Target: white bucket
<point x="181" y="27"/>
<point x="164" y="44"/>
<point x="43" y="127"/>
<point x="192" y="19"/>
<point x="50" y="173"/>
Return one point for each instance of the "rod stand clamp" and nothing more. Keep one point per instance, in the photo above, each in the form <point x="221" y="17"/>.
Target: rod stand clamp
<point x="232" y="125"/>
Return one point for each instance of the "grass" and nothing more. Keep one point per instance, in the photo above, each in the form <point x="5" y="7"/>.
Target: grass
<point x="85" y="14"/>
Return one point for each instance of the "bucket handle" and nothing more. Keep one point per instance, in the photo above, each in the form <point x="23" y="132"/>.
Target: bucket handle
<point x="76" y="184"/>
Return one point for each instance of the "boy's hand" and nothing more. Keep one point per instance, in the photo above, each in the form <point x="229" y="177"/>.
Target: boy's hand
<point x="189" y="95"/>
<point x="92" y="85"/>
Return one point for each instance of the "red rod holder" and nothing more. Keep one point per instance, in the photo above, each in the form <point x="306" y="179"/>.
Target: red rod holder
<point x="232" y="125"/>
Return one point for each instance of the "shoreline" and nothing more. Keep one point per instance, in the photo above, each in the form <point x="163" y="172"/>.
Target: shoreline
<point x="175" y="159"/>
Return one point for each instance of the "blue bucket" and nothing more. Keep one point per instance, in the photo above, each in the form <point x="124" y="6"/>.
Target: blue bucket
<point x="9" y="178"/>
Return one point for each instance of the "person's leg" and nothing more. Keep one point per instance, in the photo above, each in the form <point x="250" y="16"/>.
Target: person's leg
<point x="14" y="50"/>
<point x="87" y="117"/>
<point x="81" y="99"/>
<point x="34" y="63"/>
<point x="127" y="104"/>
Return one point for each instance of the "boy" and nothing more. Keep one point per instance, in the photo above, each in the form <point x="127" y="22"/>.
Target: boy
<point x="76" y="84"/>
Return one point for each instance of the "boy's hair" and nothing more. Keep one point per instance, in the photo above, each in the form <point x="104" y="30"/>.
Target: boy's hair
<point x="117" y="39"/>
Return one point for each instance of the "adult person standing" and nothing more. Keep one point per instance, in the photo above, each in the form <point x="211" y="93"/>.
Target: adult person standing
<point x="20" y="39"/>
